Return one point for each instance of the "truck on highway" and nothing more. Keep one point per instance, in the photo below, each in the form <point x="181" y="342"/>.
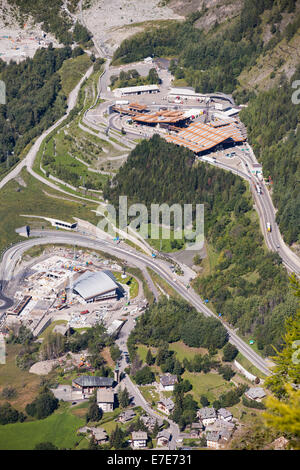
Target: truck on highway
<point x="258" y="189"/>
<point x="269" y="228"/>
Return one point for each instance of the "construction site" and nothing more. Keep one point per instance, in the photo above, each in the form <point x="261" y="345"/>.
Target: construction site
<point x="18" y="44"/>
<point x="77" y="290"/>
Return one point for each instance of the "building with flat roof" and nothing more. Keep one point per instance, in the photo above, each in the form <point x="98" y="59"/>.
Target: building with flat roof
<point x="96" y="285"/>
<point x="136" y="90"/>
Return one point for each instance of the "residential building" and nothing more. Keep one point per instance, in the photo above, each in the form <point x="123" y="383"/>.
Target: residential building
<point x="105" y="400"/>
<point x="196" y="429"/>
<point x="207" y="415"/>
<point x="166" y="405"/>
<point x="255" y="393"/>
<point x="139" y="439"/>
<point x="224" y="414"/>
<point x="212" y="440"/>
<point x="163" y="438"/>
<point x="89" y="383"/>
<point x="126" y="416"/>
<point x="167" y="382"/>
<point x="149" y="422"/>
<point x="99" y="434"/>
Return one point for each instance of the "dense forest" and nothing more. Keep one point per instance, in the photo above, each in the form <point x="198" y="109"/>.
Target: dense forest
<point x="157" y="172"/>
<point x="272" y="122"/>
<point x="211" y="61"/>
<point x="174" y="320"/>
<point x="33" y="100"/>
<point x="248" y="285"/>
<point x="133" y="78"/>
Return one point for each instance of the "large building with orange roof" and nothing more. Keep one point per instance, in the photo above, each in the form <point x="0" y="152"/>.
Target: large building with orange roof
<point x="200" y="137"/>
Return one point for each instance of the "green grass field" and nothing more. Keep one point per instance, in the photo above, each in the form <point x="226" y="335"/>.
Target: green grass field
<point x="211" y="385"/>
<point x="129" y="281"/>
<point x="72" y="71"/>
<point x="31" y="200"/>
<point x="59" y="428"/>
<point x="182" y="351"/>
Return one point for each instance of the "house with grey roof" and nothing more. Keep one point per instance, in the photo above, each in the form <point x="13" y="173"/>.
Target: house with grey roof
<point x="149" y="421"/>
<point x="255" y="393"/>
<point x="126" y="416"/>
<point x="224" y="414"/>
<point x="105" y="399"/>
<point x="163" y="438"/>
<point x="89" y="383"/>
<point x="212" y="439"/>
<point x="139" y="439"/>
<point x="99" y="434"/>
<point x="166" y="405"/>
<point x="167" y="382"/>
<point x="207" y="415"/>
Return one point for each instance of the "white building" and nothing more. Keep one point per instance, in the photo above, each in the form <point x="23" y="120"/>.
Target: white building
<point x="97" y="285"/>
<point x="224" y="414"/>
<point x="105" y="400"/>
<point x="207" y="415"/>
<point x="139" y="439"/>
<point x="136" y="90"/>
<point x="167" y="382"/>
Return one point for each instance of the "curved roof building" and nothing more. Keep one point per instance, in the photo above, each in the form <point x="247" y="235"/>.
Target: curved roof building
<point x="96" y="285"/>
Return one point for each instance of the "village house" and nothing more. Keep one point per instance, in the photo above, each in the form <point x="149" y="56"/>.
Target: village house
<point x="207" y="415"/>
<point x="163" y="438"/>
<point x="89" y="383"/>
<point x="139" y="439"/>
<point x="166" y="405"/>
<point x="212" y="440"/>
<point x="255" y="393"/>
<point x="149" y="422"/>
<point x="99" y="434"/>
<point x="196" y="429"/>
<point x="167" y="382"/>
<point x="105" y="400"/>
<point x="126" y="416"/>
<point x="224" y="414"/>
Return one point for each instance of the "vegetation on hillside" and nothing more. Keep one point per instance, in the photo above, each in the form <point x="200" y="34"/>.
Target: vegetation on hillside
<point x="34" y="100"/>
<point x="210" y="61"/>
<point x="133" y="78"/>
<point x="247" y="284"/>
<point x="171" y="320"/>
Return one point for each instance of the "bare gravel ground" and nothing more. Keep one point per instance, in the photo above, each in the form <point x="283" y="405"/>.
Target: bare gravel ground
<point x="113" y="21"/>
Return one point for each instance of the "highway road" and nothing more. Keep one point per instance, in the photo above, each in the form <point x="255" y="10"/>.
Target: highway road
<point x="13" y="254"/>
<point x="266" y="212"/>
